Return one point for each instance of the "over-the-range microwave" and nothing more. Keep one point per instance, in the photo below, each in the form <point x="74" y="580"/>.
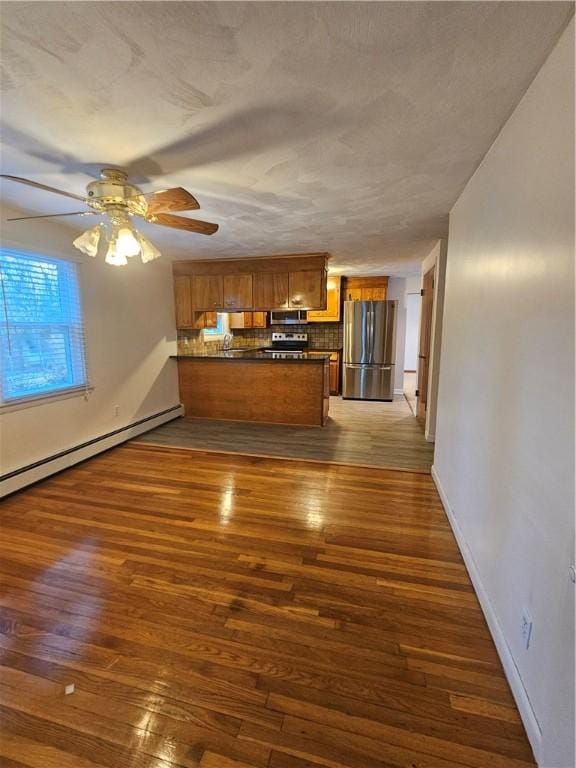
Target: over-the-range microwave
<point x="289" y="317"/>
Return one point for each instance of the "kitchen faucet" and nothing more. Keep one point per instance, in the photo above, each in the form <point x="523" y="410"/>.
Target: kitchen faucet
<point x="228" y="338"/>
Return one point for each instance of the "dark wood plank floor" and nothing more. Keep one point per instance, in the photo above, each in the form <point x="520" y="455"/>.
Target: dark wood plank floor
<point x="233" y="612"/>
<point x="362" y="432"/>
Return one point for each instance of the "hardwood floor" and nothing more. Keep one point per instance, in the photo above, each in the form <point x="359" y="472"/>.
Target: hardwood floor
<point x="358" y="432"/>
<point x="233" y="612"/>
<point x="410" y="390"/>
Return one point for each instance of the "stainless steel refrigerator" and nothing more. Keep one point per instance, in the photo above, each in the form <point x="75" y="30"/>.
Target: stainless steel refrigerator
<point x="369" y="349"/>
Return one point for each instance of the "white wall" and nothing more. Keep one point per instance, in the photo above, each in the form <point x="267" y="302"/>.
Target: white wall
<point x="413" y="301"/>
<point x="504" y="457"/>
<point x="130" y="333"/>
<point x="437" y="259"/>
<point x="396" y="290"/>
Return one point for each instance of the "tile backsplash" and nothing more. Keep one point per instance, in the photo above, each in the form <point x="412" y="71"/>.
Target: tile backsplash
<point x="320" y="336"/>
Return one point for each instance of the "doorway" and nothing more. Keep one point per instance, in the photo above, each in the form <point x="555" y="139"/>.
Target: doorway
<point x="427" y="308"/>
<point x="412" y="301"/>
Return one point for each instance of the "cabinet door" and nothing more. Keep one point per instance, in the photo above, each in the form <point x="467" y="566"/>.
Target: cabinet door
<point x="258" y="319"/>
<point x="307" y="289"/>
<point x="207" y="292"/>
<point x="237" y="292"/>
<point x="271" y="290"/>
<point x="183" y="302"/>
<point x="353" y="294"/>
<point x="237" y="319"/>
<point x="334" y="377"/>
<point x="204" y="320"/>
<point x="373" y="294"/>
<point x="332" y="312"/>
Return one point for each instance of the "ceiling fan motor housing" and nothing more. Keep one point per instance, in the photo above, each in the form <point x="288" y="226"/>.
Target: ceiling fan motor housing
<point x="113" y="191"/>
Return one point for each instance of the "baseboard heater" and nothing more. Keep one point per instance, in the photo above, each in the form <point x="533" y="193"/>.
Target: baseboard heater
<point x="38" y="470"/>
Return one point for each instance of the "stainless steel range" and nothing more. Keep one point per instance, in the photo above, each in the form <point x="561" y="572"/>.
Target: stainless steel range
<point x="287" y="345"/>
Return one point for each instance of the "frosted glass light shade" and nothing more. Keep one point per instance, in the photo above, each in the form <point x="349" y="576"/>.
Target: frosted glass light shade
<point x="126" y="242"/>
<point x="148" y="252"/>
<point x="88" y="241"/>
<point x="114" y="257"/>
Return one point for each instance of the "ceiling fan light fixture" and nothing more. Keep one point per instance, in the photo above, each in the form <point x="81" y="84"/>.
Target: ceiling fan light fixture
<point x="148" y="251"/>
<point x="88" y="241"/>
<point x="115" y="257"/>
<point x="124" y="238"/>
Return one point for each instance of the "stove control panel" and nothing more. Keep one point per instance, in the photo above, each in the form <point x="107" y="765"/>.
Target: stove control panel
<point x="292" y="337"/>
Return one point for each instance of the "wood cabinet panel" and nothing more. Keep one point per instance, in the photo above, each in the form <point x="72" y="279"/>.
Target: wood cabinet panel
<point x="259" y="320"/>
<point x="259" y="391"/>
<point x="207" y="292"/>
<point x="238" y="292"/>
<point x="307" y="289"/>
<point x="247" y="320"/>
<point x="183" y="302"/>
<point x="271" y="290"/>
<point x="332" y="312"/>
<point x="354" y="294"/>
<point x="365" y="288"/>
<point x="202" y="320"/>
<point x="334" y="378"/>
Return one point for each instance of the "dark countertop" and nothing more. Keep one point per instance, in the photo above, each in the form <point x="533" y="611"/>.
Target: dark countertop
<point x="255" y="355"/>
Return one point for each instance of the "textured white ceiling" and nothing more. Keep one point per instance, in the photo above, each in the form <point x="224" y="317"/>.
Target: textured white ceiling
<point x="348" y="126"/>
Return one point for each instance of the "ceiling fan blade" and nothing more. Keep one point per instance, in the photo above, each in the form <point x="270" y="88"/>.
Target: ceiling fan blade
<point x="54" y="215"/>
<point x="181" y="222"/>
<point x="177" y="199"/>
<point x="42" y="186"/>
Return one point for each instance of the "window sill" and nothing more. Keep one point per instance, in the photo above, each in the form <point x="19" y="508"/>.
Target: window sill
<point x="30" y="402"/>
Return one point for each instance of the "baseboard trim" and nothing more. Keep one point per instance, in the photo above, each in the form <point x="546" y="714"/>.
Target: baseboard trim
<point x="38" y="470"/>
<point x="398" y="391"/>
<point x="527" y="714"/>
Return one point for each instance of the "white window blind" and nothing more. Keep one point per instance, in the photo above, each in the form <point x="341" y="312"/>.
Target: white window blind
<point x="42" y="340"/>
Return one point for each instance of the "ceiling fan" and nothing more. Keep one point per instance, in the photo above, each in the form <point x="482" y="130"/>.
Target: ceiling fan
<point x="115" y="198"/>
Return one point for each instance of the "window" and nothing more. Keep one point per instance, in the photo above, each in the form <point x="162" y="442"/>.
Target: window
<point x="222" y="327"/>
<point x="41" y="329"/>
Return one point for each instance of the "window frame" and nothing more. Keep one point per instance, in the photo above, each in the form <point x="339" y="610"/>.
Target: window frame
<point x="212" y="334"/>
<point x="62" y="393"/>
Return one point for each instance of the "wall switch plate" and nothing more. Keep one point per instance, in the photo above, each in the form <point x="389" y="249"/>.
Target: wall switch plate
<point x="526" y="628"/>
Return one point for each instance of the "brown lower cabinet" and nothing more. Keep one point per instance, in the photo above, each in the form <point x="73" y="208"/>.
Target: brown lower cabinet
<point x="335" y="373"/>
<point x="255" y="390"/>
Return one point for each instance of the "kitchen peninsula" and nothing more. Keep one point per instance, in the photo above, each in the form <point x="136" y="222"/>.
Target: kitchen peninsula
<point x="250" y="385"/>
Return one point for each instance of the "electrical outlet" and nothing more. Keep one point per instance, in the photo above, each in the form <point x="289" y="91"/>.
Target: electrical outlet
<point x="526" y="628"/>
<point x="116" y="410"/>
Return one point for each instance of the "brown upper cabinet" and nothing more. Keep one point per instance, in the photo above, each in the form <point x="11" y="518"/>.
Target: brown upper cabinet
<point x="243" y="285"/>
<point x="237" y="292"/>
<point x="271" y="290"/>
<point x="332" y="312"/>
<point x="365" y="288"/>
<point x="307" y="289"/>
<point x="207" y="292"/>
<point x="183" y="302"/>
<point x="247" y="320"/>
<point x="290" y="290"/>
<point x="185" y="315"/>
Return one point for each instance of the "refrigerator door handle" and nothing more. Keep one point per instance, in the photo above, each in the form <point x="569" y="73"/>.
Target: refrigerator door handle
<point x="371" y="333"/>
<point x="369" y="365"/>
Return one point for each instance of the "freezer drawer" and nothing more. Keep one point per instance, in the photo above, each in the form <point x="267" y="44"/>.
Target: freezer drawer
<point x="368" y="382"/>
